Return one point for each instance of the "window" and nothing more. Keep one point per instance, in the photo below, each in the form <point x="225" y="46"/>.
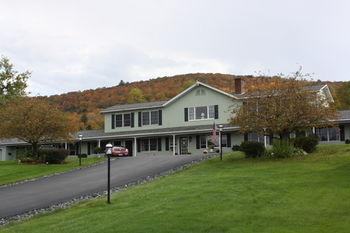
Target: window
<point x="334" y="134"/>
<point x="203" y="141"/>
<point x="153" y="144"/>
<point x="201" y="112"/>
<point x="224" y="140"/>
<point x="127" y="119"/>
<point x="154" y="117"/>
<point x="211" y="111"/>
<point x="191" y="113"/>
<point x="328" y="134"/>
<point x="119" y="120"/>
<point x="145" y="118"/>
<point x="254" y="137"/>
<point x="322" y="134"/>
<point x="145" y="144"/>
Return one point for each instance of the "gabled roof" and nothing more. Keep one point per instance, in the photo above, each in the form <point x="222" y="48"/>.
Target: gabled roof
<point x="159" y="104"/>
<point x="198" y="83"/>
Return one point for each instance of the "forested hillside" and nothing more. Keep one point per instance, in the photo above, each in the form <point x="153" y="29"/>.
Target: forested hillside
<point x="84" y="107"/>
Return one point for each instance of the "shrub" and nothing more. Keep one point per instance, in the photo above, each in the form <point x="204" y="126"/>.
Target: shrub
<point x="99" y="150"/>
<point x="308" y="143"/>
<point x="347" y="141"/>
<point x="282" y="149"/>
<point x="53" y="156"/>
<point x="236" y="148"/>
<point x="252" y="149"/>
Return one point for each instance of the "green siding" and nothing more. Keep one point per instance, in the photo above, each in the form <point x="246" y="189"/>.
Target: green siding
<point x="173" y="114"/>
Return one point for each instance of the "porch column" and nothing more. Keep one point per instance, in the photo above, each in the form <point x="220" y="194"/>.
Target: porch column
<point x="99" y="143"/>
<point x="135" y="147"/>
<point x="174" y="144"/>
<point x="313" y="130"/>
<point x="66" y="145"/>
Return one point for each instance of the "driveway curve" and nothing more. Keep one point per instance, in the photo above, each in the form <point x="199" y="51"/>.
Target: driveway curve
<point x="45" y="192"/>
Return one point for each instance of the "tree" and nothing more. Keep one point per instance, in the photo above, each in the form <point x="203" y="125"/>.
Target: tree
<point x="136" y="96"/>
<point x="343" y="96"/>
<point x="12" y="83"/>
<point x="121" y="83"/>
<point x="281" y="106"/>
<point x="34" y="121"/>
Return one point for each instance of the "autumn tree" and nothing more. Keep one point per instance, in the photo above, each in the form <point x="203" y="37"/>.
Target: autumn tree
<point x="343" y="96"/>
<point x="136" y="96"/>
<point x="283" y="105"/>
<point x="34" y="121"/>
<point x="12" y="83"/>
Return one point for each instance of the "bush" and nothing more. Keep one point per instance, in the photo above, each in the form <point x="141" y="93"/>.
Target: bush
<point x="252" y="149"/>
<point x="99" y="150"/>
<point x="308" y="143"/>
<point x="347" y="141"/>
<point x="283" y="149"/>
<point x="53" y="156"/>
<point x="236" y="148"/>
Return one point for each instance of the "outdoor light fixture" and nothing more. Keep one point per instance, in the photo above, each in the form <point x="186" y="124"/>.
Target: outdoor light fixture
<point x="80" y="137"/>
<point x="220" y="139"/>
<point x="109" y="153"/>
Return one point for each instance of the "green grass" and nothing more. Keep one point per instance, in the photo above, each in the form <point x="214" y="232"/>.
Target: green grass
<point x="11" y="171"/>
<point x="310" y="194"/>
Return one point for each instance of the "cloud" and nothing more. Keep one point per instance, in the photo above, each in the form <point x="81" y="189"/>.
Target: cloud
<point x="77" y="45"/>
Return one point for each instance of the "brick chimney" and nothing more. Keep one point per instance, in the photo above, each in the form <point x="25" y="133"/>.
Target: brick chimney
<point x="239" y="86"/>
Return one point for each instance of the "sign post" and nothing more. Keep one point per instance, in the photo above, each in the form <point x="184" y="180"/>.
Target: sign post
<point x="109" y="153"/>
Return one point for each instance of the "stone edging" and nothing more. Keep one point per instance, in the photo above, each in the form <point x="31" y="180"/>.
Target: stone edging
<point x="68" y="204"/>
<point x="50" y="175"/>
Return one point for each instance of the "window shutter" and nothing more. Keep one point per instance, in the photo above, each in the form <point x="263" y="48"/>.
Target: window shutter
<point x="228" y="140"/>
<point x="166" y="143"/>
<point x="160" y="120"/>
<point x="113" y="121"/>
<point x="140" y="117"/>
<point x="342" y="133"/>
<point x="186" y="114"/>
<point x="216" y="109"/>
<point x="132" y="119"/>
<point x="138" y="145"/>
<point x="159" y="144"/>
<point x="198" y="146"/>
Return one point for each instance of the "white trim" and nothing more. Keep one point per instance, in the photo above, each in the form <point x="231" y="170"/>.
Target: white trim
<point x="159" y="133"/>
<point x="198" y="83"/>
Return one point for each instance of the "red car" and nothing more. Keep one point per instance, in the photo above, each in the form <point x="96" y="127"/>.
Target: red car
<point x="120" y="151"/>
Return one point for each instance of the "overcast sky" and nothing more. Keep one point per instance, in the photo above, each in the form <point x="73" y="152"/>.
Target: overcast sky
<point x="75" y="45"/>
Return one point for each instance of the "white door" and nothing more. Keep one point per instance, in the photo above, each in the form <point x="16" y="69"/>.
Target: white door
<point x="1" y="155"/>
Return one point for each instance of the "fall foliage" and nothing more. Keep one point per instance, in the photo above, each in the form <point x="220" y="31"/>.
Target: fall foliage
<point x="281" y="106"/>
<point x="35" y="121"/>
<point x="90" y="102"/>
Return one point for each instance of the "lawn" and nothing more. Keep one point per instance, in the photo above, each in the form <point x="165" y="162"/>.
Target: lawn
<point x="11" y="171"/>
<point x="310" y="194"/>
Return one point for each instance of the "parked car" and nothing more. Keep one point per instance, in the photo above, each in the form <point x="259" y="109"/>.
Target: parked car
<point x="120" y="151"/>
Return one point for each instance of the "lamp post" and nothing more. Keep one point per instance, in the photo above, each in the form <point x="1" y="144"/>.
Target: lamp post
<point x="109" y="153"/>
<point x="220" y="140"/>
<point x="80" y="136"/>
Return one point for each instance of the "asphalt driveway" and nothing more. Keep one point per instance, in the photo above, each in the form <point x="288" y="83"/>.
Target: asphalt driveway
<point x="56" y="189"/>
